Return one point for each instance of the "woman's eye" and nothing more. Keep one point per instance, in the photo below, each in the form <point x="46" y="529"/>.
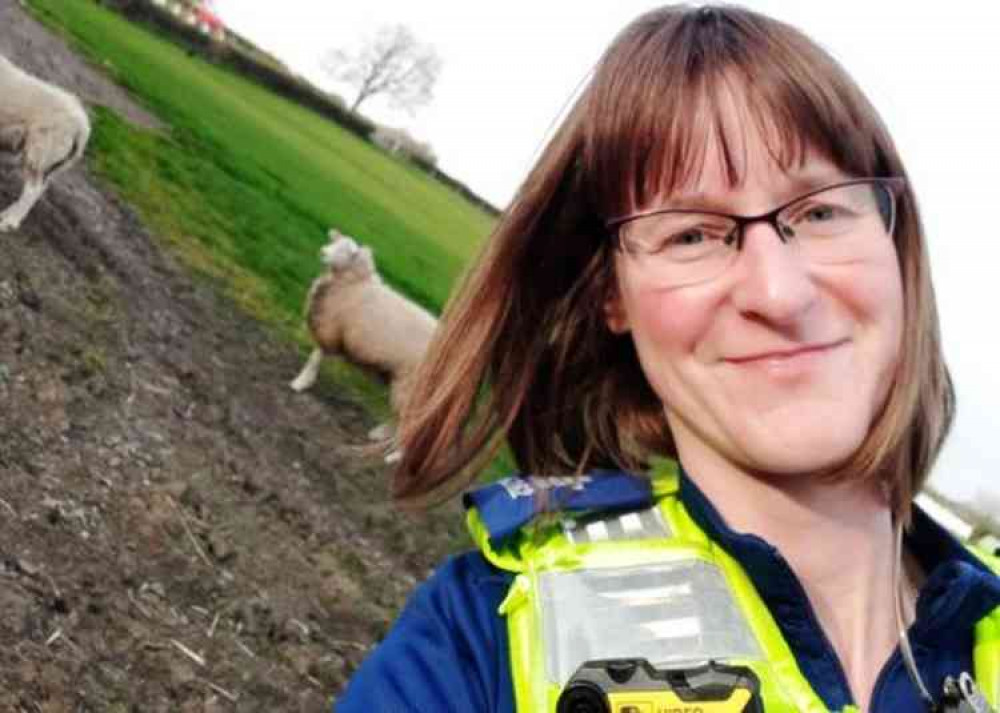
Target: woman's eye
<point x="824" y="213"/>
<point x="820" y="213"/>
<point x="688" y="237"/>
<point x="690" y="243"/>
<point x="679" y="236"/>
<point x="673" y="242"/>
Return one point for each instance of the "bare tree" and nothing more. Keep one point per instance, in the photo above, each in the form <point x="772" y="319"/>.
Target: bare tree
<point x="393" y="64"/>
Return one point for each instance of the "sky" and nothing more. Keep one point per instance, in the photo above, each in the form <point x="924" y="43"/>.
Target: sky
<point x="510" y="68"/>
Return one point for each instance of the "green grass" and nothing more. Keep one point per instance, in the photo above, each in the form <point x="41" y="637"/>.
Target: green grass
<point x="266" y="176"/>
<point x="244" y="184"/>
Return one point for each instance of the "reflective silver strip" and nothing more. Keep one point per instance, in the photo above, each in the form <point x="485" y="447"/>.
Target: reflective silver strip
<point x="668" y="613"/>
<point x="652" y="594"/>
<point x="597" y="531"/>
<point x="638" y="525"/>
<point x="674" y="628"/>
<point x="631" y="523"/>
<point x="653" y="522"/>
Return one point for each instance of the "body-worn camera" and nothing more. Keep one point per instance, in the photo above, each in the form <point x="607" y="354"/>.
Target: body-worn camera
<point x="635" y="686"/>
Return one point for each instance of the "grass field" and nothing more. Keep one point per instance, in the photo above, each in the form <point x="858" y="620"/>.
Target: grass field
<point x="244" y="184"/>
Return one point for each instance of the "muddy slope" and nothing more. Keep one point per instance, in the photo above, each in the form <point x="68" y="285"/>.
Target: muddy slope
<point x="178" y="530"/>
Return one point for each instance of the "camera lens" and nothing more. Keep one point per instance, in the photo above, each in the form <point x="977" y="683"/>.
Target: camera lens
<point x="582" y="697"/>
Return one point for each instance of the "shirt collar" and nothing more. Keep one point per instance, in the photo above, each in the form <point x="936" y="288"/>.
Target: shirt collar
<point x="958" y="592"/>
<point x="959" y="587"/>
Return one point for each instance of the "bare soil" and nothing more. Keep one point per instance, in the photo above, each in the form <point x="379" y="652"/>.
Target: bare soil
<point x="179" y="531"/>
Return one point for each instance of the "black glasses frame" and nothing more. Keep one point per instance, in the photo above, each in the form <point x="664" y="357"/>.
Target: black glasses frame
<point x="894" y="185"/>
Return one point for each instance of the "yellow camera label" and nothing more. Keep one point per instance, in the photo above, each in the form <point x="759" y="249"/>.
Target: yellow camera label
<point x="669" y="702"/>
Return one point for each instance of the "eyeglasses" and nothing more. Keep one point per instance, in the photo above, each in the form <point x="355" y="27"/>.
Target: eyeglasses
<point x="830" y="225"/>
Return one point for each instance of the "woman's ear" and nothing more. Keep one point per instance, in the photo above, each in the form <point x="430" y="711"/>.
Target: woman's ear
<point x="615" y="314"/>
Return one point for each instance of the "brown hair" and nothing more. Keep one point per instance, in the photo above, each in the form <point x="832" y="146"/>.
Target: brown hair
<point x="523" y="351"/>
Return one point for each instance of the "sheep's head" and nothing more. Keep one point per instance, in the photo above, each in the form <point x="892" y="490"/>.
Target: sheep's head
<point x="340" y="253"/>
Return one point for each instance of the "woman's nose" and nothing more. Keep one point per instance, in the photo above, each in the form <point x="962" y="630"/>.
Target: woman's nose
<point x="773" y="280"/>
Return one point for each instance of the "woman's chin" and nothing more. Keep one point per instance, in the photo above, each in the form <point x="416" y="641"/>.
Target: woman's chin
<point x="809" y="451"/>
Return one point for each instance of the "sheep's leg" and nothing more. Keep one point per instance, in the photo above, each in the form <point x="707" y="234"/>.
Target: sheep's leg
<point x="11" y="218"/>
<point x="48" y="151"/>
<point x="381" y="432"/>
<point x="386" y="432"/>
<point x="307" y="377"/>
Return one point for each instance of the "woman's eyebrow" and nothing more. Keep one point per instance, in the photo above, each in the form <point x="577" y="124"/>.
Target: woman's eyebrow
<point x="797" y="184"/>
<point x="811" y="180"/>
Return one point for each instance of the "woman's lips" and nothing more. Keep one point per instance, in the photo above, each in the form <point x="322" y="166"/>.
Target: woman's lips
<point x="779" y="357"/>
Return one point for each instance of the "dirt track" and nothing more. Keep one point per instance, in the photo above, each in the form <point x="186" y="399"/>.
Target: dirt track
<point x="178" y="530"/>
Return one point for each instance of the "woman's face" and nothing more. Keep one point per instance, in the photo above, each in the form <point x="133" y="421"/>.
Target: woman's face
<point x="777" y="365"/>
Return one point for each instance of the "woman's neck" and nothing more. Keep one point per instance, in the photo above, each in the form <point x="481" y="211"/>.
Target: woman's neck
<point x="838" y="540"/>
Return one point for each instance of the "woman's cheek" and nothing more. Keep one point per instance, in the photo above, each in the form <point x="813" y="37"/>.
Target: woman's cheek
<point x="672" y="321"/>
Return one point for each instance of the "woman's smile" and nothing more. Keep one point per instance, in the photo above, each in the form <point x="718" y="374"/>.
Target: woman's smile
<point x="788" y="361"/>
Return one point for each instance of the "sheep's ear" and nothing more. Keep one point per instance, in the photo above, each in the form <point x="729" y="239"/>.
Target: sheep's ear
<point x="12" y="138"/>
<point x="334" y="235"/>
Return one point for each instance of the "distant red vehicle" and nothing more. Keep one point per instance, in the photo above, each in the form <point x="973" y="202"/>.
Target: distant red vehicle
<point x="208" y="21"/>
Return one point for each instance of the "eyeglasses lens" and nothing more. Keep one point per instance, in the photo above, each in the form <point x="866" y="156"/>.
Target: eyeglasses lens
<point x="835" y="225"/>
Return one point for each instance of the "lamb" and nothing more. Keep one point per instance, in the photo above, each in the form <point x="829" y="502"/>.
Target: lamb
<point x="45" y="126"/>
<point x="352" y="313"/>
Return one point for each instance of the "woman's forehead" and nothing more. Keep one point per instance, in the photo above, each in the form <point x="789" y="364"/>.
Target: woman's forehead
<point x="755" y="171"/>
<point x="723" y="139"/>
<point x="737" y="150"/>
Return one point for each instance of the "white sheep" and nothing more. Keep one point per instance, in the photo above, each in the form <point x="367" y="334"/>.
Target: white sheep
<point x="45" y="126"/>
<point x="350" y="312"/>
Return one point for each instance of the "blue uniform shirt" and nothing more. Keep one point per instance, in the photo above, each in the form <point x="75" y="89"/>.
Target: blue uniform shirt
<point x="447" y="652"/>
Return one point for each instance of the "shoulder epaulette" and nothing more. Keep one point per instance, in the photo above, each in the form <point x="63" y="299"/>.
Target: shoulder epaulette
<point x="512" y="503"/>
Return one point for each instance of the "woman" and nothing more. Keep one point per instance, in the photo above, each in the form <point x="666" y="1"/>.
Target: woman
<point x="717" y="260"/>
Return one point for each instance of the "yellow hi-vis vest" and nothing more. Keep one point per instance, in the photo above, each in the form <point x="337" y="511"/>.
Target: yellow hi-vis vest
<point x="650" y="584"/>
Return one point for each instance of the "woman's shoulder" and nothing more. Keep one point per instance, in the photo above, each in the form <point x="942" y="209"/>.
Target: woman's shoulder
<point x="446" y="651"/>
<point x="468" y="578"/>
